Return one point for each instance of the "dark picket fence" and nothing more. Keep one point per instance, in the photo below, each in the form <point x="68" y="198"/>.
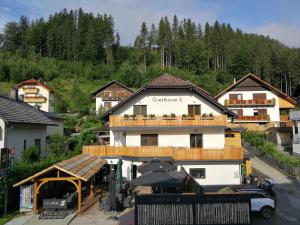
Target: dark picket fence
<point x="192" y="209"/>
<point x="291" y="170"/>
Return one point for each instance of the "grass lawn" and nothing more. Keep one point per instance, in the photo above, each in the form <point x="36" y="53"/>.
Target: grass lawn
<point x="8" y="217"/>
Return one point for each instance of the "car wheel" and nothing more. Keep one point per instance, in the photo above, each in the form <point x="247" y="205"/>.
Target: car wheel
<point x="266" y="212"/>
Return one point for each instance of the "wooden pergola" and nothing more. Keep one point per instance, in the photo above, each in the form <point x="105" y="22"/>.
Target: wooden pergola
<point x="75" y="170"/>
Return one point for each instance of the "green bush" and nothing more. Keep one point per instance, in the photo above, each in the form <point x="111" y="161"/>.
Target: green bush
<point x="31" y="154"/>
<point x="258" y="140"/>
<point x="57" y="144"/>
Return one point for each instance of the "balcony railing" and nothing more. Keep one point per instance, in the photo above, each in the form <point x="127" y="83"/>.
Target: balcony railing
<point x="250" y="102"/>
<point x="264" y="118"/>
<point x="285" y="121"/>
<point x="35" y="99"/>
<point x="172" y="120"/>
<point x="177" y="153"/>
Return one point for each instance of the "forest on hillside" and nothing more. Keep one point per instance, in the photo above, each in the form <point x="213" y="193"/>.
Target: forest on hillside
<point x="76" y="52"/>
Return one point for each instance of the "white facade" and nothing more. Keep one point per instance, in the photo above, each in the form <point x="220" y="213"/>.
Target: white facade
<point x="160" y="102"/>
<point x="42" y="92"/>
<point x="220" y="174"/>
<point x="100" y="103"/>
<point x="295" y="117"/>
<point x="273" y="111"/>
<point x="23" y="136"/>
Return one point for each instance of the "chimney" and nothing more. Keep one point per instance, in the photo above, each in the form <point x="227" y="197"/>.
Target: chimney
<point x="37" y="107"/>
<point x="14" y="94"/>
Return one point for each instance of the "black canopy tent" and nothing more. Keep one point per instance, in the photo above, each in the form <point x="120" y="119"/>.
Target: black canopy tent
<point x="155" y="164"/>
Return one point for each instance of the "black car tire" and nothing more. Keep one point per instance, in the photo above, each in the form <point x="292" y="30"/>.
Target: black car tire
<point x="266" y="212"/>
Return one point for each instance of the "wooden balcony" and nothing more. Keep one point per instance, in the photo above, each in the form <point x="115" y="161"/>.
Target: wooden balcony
<point x="177" y="153"/>
<point x="153" y="120"/>
<point x="258" y="118"/>
<point x="285" y="121"/>
<point x="30" y="90"/>
<point x="251" y="102"/>
<point x="35" y="99"/>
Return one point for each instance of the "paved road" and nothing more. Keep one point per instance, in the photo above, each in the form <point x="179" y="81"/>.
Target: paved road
<point x="288" y="196"/>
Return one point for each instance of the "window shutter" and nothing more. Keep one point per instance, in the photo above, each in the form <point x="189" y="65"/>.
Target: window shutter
<point x="262" y="111"/>
<point x="259" y="96"/>
<point x="233" y="97"/>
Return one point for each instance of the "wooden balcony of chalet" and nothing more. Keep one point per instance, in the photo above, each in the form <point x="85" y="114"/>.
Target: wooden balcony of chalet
<point x="257" y="118"/>
<point x="285" y="121"/>
<point x="167" y="120"/>
<point x="30" y="90"/>
<point x="177" y="153"/>
<point x="35" y="99"/>
<point x="250" y="102"/>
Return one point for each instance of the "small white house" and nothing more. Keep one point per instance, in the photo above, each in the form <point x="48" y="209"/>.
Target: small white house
<point x="110" y="95"/>
<point x="22" y="126"/>
<point x="35" y="92"/>
<point x="295" y="117"/>
<point x="175" y="120"/>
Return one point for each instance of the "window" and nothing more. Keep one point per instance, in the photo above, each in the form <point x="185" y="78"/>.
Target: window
<point x="37" y="142"/>
<point x="194" y="109"/>
<point x="107" y="105"/>
<point x="296" y="129"/>
<point x="140" y="110"/>
<point x="235" y="96"/>
<point x="149" y="139"/>
<point x="25" y="145"/>
<point x="198" y="173"/>
<point x="259" y="112"/>
<point x="260" y="96"/>
<point x="1" y="133"/>
<point x="229" y="135"/>
<point x="196" y="140"/>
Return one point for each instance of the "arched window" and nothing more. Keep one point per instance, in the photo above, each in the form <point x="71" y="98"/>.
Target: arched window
<point x="1" y="133"/>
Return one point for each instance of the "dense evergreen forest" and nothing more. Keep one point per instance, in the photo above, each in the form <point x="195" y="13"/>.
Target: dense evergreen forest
<point x="76" y="52"/>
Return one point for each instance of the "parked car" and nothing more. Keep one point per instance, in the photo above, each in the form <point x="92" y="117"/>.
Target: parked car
<point x="261" y="202"/>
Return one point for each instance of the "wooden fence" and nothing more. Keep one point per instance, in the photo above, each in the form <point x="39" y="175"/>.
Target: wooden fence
<point x="177" y="153"/>
<point x="191" y="209"/>
<point x="291" y="170"/>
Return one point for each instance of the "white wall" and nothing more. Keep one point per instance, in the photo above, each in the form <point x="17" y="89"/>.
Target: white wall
<point x="28" y="132"/>
<point x="273" y="111"/>
<point x="296" y="138"/>
<point x="100" y="103"/>
<point x="212" y="137"/>
<point x="178" y="104"/>
<point x="218" y="174"/>
<point x="59" y="129"/>
<point x="46" y="106"/>
<point x="2" y="125"/>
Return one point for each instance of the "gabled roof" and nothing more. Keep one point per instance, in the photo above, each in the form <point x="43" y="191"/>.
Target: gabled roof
<point x="260" y="81"/>
<point x="173" y="82"/>
<point x="81" y="166"/>
<point x="36" y="82"/>
<point x="110" y="83"/>
<point x="20" y="112"/>
<point x="168" y="80"/>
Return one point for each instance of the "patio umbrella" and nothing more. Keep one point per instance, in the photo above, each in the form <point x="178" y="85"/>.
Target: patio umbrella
<point x="160" y="177"/>
<point x="119" y="176"/>
<point x="155" y="164"/>
<point x="112" y="190"/>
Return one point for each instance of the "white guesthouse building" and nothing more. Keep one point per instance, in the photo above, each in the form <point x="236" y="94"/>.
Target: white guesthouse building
<point x="257" y="104"/>
<point x="22" y="126"/>
<point x="36" y="93"/>
<point x="174" y="120"/>
<point x="295" y="117"/>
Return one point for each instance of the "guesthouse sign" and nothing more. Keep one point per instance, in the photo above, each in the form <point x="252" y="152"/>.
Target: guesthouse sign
<point x="166" y="99"/>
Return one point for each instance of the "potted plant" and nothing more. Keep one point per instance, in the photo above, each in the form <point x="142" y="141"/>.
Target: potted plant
<point x="152" y="116"/>
<point x="184" y="116"/>
<point x="204" y="115"/>
<point x="126" y="116"/>
<point x="211" y="115"/>
<point x="165" y="116"/>
<point x="226" y="102"/>
<point x="173" y="116"/>
<point x="133" y="116"/>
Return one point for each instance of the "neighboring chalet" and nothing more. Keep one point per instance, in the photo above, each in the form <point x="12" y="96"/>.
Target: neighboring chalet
<point x="295" y="117"/>
<point x="35" y="92"/>
<point x="260" y="106"/>
<point x="22" y="126"/>
<point x="175" y="121"/>
<point x="110" y="95"/>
